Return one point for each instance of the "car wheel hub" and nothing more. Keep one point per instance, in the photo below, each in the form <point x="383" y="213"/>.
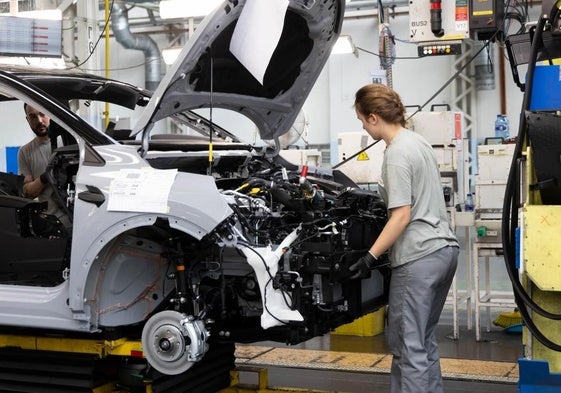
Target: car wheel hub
<point x="173" y="342"/>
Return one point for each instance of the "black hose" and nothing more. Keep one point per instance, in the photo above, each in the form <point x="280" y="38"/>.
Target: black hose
<point x="510" y="210"/>
<point x="284" y="198"/>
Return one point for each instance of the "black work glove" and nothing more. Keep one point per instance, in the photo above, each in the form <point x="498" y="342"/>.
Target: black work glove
<point x="362" y="266"/>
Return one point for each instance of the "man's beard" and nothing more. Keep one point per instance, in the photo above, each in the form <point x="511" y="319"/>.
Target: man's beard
<point x="41" y="131"/>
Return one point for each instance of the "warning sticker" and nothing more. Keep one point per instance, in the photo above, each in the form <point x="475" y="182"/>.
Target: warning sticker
<point x="461" y="14"/>
<point x="363" y="157"/>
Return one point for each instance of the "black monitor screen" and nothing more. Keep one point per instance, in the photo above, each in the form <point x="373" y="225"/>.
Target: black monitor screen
<point x="30" y="37"/>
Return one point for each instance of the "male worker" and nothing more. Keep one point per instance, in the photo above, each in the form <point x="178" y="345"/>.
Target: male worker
<point x="33" y="158"/>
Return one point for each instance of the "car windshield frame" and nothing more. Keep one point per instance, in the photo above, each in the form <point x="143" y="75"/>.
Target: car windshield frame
<point x="65" y="85"/>
<point x="33" y="95"/>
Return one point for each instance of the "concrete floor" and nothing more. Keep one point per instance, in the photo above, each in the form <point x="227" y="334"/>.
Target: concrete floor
<point x="330" y="381"/>
<point x="495" y="348"/>
<point x="331" y="366"/>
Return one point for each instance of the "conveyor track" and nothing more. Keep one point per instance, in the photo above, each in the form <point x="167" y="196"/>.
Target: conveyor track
<point x="56" y="371"/>
<point x="45" y="372"/>
<point x="209" y="375"/>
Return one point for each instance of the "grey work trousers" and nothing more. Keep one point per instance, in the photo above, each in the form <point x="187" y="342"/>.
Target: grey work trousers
<point x="418" y="292"/>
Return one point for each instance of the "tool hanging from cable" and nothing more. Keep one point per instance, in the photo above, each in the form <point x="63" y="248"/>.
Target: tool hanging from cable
<point x="386" y="45"/>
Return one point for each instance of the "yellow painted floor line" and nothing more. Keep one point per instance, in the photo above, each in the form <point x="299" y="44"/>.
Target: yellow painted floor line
<point x="463" y="369"/>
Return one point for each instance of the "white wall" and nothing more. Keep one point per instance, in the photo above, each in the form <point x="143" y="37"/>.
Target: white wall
<point x="16" y="133"/>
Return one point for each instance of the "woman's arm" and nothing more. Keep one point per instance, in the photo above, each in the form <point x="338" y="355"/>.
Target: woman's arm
<point x="399" y="218"/>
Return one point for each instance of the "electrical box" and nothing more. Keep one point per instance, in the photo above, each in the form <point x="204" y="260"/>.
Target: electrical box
<point x="366" y="168"/>
<point x="455" y="24"/>
<point x="438" y="48"/>
<point x="489" y="198"/>
<point x="309" y="157"/>
<point x="444" y="131"/>
<point x="485" y="18"/>
<point x="447" y="158"/>
<point x="494" y="162"/>
<point x="490" y="183"/>
<point x="439" y="128"/>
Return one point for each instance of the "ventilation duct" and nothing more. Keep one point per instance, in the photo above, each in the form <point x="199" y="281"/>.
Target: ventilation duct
<point x="123" y="35"/>
<point x="484" y="71"/>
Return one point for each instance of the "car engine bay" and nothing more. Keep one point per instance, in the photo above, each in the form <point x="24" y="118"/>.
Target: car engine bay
<point x="329" y="222"/>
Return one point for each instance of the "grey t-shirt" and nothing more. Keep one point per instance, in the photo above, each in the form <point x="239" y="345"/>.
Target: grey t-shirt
<point x="33" y="158"/>
<point x="410" y="176"/>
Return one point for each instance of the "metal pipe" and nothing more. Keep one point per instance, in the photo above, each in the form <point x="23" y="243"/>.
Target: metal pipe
<point x="502" y="82"/>
<point x="123" y="35"/>
<point x="374" y="4"/>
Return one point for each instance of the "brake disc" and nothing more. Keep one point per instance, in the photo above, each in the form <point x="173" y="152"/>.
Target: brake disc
<point x="172" y="342"/>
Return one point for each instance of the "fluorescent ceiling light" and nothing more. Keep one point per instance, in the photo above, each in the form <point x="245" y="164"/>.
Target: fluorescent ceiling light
<point x="170" y="54"/>
<point x="55" y="14"/>
<point x="343" y="45"/>
<point x="174" y="9"/>
<point x="41" y="62"/>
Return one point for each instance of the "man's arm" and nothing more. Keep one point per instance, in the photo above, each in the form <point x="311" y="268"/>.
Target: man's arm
<point x="32" y="187"/>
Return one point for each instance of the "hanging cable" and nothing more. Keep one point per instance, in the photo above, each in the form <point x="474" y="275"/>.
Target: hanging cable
<point x="510" y="209"/>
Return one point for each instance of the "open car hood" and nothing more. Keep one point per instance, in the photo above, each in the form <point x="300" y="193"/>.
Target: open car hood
<point x="310" y="30"/>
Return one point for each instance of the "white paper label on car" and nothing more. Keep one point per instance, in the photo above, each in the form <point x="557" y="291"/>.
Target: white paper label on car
<point x="141" y="190"/>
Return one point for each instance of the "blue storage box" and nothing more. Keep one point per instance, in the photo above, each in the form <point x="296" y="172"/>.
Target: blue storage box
<point x="545" y="91"/>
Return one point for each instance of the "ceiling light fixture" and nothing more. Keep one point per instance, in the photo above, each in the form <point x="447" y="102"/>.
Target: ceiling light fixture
<point x="344" y="45"/>
<point x="40" y="62"/>
<point x="54" y="14"/>
<point x="176" y="9"/>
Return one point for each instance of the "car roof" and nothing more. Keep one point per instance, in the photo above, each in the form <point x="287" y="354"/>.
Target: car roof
<point x="68" y="84"/>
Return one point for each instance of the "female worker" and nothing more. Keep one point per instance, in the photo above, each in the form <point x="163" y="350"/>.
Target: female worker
<point x="423" y="248"/>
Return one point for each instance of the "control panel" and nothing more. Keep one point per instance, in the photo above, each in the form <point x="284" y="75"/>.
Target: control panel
<point x="440" y="48"/>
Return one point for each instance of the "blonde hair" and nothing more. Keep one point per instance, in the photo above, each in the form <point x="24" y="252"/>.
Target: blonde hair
<point x="382" y="101"/>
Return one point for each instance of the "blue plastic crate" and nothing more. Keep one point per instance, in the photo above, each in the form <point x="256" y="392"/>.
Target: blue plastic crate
<point x="12" y="159"/>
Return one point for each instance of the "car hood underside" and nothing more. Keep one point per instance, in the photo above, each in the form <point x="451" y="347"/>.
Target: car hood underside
<point x="207" y="74"/>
